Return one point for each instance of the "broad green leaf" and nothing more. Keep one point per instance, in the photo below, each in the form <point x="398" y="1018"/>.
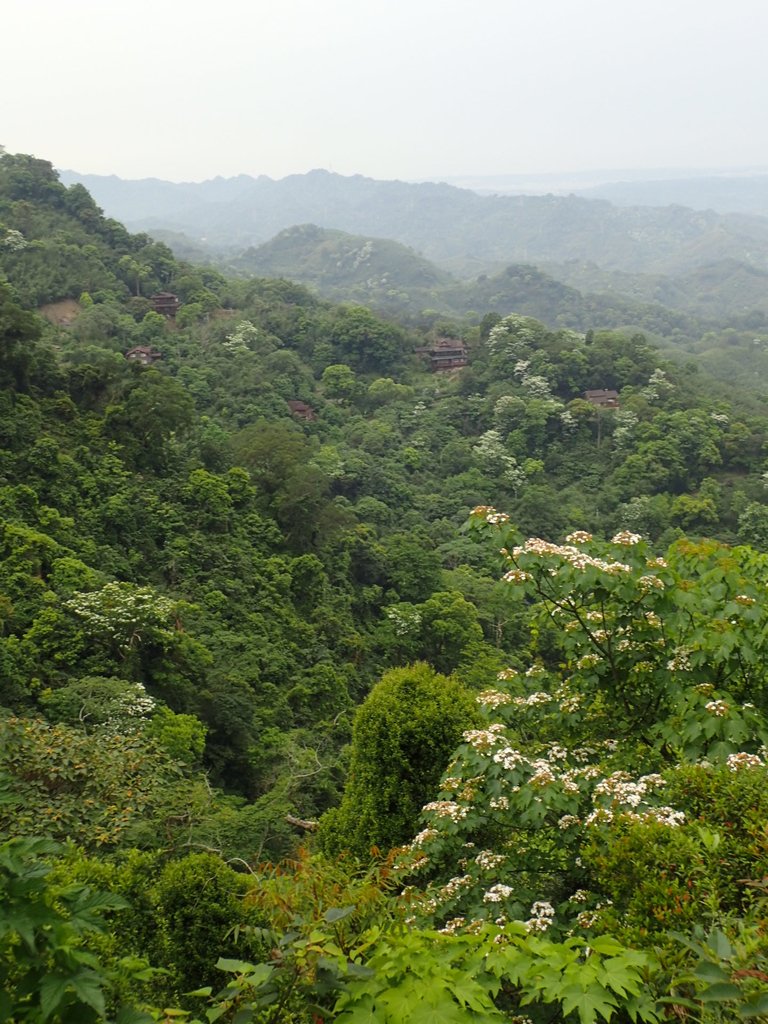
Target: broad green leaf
<point x="337" y="914"/>
<point x="606" y="945"/>
<point x="709" y="971"/>
<point x="721" y="992"/>
<point x="234" y="966"/>
<point x="757" y="1007"/>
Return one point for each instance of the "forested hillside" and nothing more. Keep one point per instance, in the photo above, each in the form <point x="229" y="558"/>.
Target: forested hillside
<point x="459" y="229"/>
<point x="282" y="690"/>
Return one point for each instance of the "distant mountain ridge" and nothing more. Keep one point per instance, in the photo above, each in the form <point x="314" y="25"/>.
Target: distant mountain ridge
<point x="458" y="229"/>
<point x="746" y="193"/>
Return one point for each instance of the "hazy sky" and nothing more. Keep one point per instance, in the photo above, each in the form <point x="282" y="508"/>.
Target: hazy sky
<point x="391" y="89"/>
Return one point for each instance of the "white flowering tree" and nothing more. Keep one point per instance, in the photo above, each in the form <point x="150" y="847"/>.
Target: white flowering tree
<point x="661" y="666"/>
<point x="125" y="615"/>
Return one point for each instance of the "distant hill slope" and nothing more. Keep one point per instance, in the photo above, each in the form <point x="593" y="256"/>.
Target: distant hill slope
<point x="456" y="228"/>
<point x="717" y="290"/>
<point x="392" y="278"/>
<point x="724" y="193"/>
<point x="332" y="260"/>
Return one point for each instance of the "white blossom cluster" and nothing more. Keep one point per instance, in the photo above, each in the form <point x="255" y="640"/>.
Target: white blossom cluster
<point x="245" y="331"/>
<point x="570" y="554"/>
<point x="509" y="758"/>
<point x="122" y="610"/>
<point x="424" y="836"/>
<point x="454" y="886"/>
<point x="405" y="620"/>
<point x="446" y="809"/>
<point x="741" y="760"/>
<point x="718" y="708"/>
<point x="493" y="698"/>
<point x="485" y="739"/>
<point x="580" y="896"/>
<point x="620" y="788"/>
<point x="506" y="674"/>
<point x="532" y="699"/>
<point x="680" y="661"/>
<point x="516" y="576"/>
<point x="648" y="583"/>
<point x="13" y="240"/>
<point x="497" y="893"/>
<point x="453" y="926"/>
<point x="661" y="815"/>
<point x="486" y="860"/>
<point x="626" y="538"/>
<point x="135" y="704"/>
<point x="542" y="915"/>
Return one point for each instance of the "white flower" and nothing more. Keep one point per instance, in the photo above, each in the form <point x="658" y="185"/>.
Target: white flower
<point x="484" y="739"/>
<point x="567" y="821"/>
<point x="497" y="893"/>
<point x="626" y="538"/>
<point x="742" y="760"/>
<point x="493" y="698"/>
<point x="446" y="809"/>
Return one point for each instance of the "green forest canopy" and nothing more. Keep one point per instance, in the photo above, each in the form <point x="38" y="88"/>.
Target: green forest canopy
<point x="200" y="587"/>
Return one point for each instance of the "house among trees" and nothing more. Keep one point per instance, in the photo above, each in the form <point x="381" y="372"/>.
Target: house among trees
<point x="144" y="355"/>
<point x="165" y="303"/>
<point x="445" y="353"/>
<point x="302" y="410"/>
<point x="603" y="398"/>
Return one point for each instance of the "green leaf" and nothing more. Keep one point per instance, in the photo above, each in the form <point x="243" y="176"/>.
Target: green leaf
<point x="88" y="988"/>
<point x="234" y="966"/>
<point x="589" y="1003"/>
<point x="757" y="1007"/>
<point x="244" y="1016"/>
<point x="709" y="971"/>
<point x="53" y="988"/>
<point x="606" y="945"/>
<point x="720" y="944"/>
<point x="337" y="914"/>
<point x="130" y="1015"/>
<point x="720" y="993"/>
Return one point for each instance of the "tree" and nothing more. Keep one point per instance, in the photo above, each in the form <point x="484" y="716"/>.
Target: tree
<point x="401" y="738"/>
<point x="18" y="332"/>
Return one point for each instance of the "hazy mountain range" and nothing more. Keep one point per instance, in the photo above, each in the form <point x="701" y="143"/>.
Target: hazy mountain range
<point x="399" y="245"/>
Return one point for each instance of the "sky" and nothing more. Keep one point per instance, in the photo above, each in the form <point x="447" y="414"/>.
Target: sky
<point x="408" y="89"/>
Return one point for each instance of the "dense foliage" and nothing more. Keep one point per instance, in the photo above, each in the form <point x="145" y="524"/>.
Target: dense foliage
<point x="209" y="563"/>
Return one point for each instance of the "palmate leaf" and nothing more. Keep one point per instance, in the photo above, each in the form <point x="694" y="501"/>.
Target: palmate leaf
<point x="53" y="989"/>
<point x="363" y="1012"/>
<point x="588" y="1003"/>
<point x="88" y="990"/>
<point x="445" y="1013"/>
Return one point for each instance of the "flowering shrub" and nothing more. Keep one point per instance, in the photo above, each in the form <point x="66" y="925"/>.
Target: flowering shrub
<point x="567" y="762"/>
